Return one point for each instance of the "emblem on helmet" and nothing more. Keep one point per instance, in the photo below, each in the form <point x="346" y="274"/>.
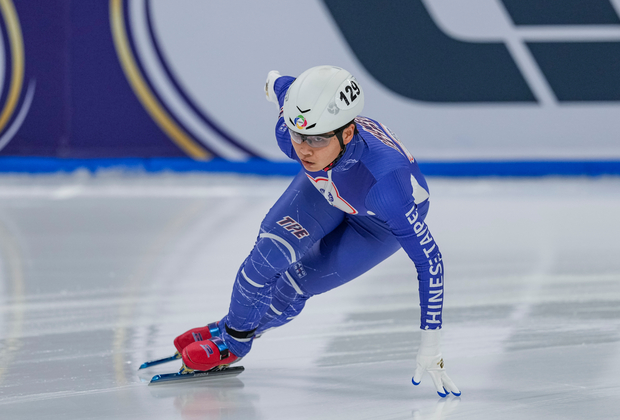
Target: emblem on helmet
<point x="332" y="108"/>
<point x="300" y="121"/>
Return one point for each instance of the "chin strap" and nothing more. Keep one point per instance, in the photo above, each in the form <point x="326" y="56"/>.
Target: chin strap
<point x="335" y="161"/>
<point x="343" y="148"/>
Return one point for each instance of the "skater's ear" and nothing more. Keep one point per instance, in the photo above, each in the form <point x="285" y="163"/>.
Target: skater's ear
<point x="348" y="133"/>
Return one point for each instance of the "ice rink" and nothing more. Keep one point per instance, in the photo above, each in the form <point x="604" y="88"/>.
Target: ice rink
<point x="99" y="273"/>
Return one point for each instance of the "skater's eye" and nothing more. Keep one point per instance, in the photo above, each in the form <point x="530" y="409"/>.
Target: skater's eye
<point x="313" y="141"/>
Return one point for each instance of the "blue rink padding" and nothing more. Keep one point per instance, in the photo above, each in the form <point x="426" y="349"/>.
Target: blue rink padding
<point x="10" y="164"/>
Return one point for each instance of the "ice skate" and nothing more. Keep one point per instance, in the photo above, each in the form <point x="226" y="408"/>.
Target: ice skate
<point x="190" y="375"/>
<point x="202" y="360"/>
<point x="196" y="334"/>
<point x="207" y="355"/>
<point x="185" y="339"/>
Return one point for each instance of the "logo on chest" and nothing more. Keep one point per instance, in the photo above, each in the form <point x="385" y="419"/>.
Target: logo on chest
<point x="329" y="196"/>
<point x="329" y="191"/>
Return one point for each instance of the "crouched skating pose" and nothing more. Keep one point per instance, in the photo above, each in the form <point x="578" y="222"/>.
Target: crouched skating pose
<point x="359" y="198"/>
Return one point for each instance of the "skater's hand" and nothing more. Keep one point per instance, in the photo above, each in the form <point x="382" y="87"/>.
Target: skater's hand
<point x="272" y="76"/>
<point x="435" y="367"/>
<point x="430" y="360"/>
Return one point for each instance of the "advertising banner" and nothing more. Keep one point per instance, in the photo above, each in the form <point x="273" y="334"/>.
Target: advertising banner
<point x="465" y="84"/>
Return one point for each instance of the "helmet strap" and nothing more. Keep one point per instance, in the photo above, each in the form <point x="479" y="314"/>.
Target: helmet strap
<point x="340" y="139"/>
<point x="335" y="161"/>
<point x="343" y="147"/>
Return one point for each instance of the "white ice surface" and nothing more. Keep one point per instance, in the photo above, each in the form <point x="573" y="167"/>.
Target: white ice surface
<point x="99" y="274"/>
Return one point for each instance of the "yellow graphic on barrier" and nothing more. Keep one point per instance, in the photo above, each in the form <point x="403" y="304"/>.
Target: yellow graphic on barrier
<point x="142" y="90"/>
<point x="17" y="58"/>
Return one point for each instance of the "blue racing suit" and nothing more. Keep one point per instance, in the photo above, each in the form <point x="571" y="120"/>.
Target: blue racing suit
<point x="331" y="226"/>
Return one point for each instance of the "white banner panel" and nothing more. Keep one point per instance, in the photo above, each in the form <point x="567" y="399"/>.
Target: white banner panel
<point x="219" y="53"/>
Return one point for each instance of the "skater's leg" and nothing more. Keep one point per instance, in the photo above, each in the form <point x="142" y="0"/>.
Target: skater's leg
<point x="299" y="219"/>
<point x="353" y="248"/>
<point x="290" y="300"/>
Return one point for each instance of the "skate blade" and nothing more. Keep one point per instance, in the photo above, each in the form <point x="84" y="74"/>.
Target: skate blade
<point x="178" y="377"/>
<point x="156" y="362"/>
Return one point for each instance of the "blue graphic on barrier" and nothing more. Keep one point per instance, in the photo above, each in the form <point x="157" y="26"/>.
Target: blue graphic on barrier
<point x="580" y="71"/>
<point x="409" y="54"/>
<point x="563" y="12"/>
<point x="264" y="167"/>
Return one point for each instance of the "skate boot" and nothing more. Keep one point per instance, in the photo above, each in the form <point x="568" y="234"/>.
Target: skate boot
<point x="207" y="355"/>
<point x="197" y="334"/>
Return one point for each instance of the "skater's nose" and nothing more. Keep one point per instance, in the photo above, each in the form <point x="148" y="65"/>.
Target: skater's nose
<point x="305" y="149"/>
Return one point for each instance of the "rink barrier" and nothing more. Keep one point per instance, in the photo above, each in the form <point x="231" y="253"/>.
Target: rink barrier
<point x="263" y="167"/>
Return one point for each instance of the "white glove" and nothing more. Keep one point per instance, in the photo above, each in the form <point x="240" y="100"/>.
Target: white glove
<point x="429" y="360"/>
<point x="272" y="76"/>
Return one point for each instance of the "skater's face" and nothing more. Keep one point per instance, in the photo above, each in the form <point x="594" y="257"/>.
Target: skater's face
<point x="315" y="159"/>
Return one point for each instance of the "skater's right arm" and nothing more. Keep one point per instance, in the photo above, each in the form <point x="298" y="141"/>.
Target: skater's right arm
<point x="276" y="87"/>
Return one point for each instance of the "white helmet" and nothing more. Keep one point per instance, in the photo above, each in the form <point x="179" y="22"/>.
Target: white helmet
<point x="322" y="99"/>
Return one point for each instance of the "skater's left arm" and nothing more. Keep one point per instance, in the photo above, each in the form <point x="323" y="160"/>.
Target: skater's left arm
<point x="392" y="200"/>
<point x="430" y="359"/>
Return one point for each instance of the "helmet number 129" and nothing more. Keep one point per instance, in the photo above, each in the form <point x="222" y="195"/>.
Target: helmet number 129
<point x="352" y="90"/>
